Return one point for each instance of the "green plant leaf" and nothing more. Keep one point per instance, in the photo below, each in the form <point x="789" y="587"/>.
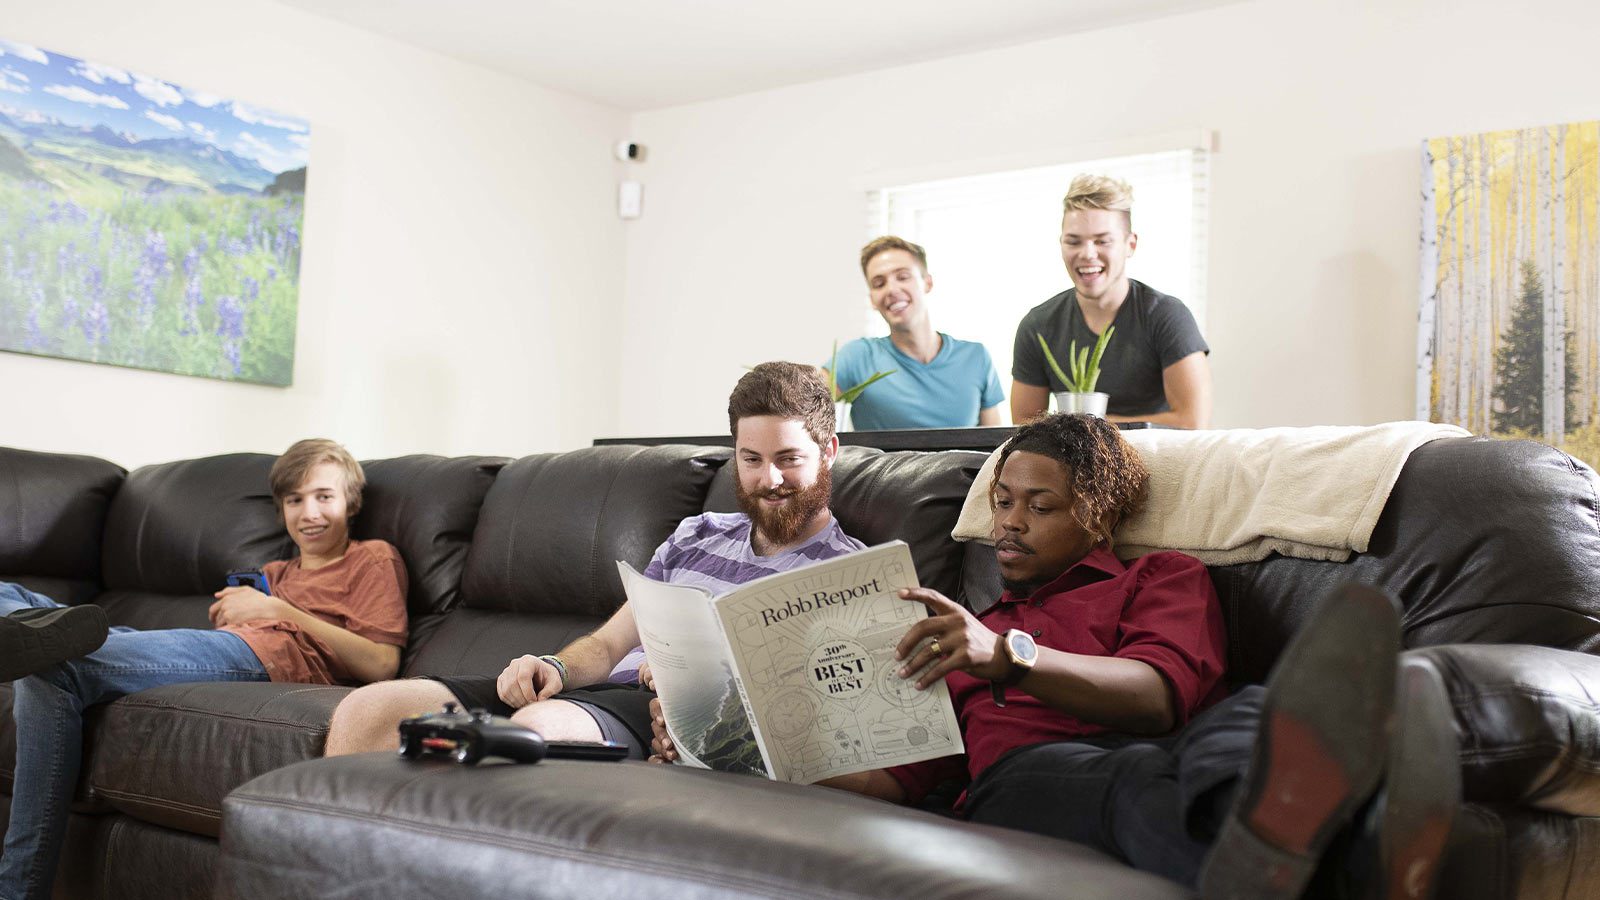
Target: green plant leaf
<point x="1051" y="359"/>
<point x="1094" y="362"/>
<point x="849" y="396"/>
<point x="1085" y="364"/>
<point x="833" y="367"/>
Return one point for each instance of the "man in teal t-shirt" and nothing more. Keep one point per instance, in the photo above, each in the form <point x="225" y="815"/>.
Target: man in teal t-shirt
<point x="938" y="381"/>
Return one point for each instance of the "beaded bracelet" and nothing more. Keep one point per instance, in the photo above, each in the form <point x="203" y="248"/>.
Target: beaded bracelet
<point x="561" y="667"/>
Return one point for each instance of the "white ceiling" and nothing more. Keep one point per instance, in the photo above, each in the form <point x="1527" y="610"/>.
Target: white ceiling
<point x="645" y="54"/>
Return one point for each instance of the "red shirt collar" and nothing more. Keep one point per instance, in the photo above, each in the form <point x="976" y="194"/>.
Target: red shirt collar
<point x="1098" y="565"/>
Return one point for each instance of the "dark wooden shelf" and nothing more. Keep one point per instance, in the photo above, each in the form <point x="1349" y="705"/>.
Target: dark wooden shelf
<point x="984" y="439"/>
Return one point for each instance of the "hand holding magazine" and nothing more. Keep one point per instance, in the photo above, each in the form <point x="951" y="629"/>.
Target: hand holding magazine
<point x="793" y="675"/>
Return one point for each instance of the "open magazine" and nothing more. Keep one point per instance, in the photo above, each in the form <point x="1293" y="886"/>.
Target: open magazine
<point x="793" y="675"/>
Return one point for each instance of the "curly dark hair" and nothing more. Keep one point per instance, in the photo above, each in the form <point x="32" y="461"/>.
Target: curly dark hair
<point x="1107" y="480"/>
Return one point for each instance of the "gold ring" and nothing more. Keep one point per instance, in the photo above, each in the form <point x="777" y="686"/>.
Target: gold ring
<point x="937" y="650"/>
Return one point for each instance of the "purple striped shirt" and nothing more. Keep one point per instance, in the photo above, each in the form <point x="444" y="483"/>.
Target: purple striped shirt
<point x="712" y="551"/>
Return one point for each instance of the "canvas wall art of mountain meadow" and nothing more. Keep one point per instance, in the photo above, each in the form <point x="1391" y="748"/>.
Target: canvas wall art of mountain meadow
<point x="146" y="224"/>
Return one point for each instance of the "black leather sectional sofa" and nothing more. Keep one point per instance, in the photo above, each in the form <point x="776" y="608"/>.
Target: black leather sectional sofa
<point x="1493" y="547"/>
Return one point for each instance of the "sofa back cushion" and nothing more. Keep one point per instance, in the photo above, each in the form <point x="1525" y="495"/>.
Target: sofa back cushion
<point x="907" y="495"/>
<point x="547" y="541"/>
<point x="427" y="507"/>
<point x="1483" y="541"/>
<point x="52" y="513"/>
<point x="554" y="525"/>
<point x="176" y="529"/>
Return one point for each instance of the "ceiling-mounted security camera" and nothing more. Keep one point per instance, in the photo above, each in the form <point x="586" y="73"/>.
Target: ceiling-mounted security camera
<point x="628" y="151"/>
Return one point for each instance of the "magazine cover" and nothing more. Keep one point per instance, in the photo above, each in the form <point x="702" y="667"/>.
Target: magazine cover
<point x="794" y="675"/>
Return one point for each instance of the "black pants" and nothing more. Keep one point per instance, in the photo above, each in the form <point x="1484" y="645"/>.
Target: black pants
<point x="1155" y="803"/>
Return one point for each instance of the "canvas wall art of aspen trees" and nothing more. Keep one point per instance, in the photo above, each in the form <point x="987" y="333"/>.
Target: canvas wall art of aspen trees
<point x="1508" y="325"/>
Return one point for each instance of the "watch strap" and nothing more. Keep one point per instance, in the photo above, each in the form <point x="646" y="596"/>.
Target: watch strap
<point x="1017" y="673"/>
<point x="997" y="690"/>
<point x="997" y="686"/>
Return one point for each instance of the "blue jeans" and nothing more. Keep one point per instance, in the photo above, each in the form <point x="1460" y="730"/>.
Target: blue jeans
<point x="48" y="709"/>
<point x="1154" y="803"/>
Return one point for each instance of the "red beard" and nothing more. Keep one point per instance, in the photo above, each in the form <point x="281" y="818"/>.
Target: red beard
<point x="783" y="526"/>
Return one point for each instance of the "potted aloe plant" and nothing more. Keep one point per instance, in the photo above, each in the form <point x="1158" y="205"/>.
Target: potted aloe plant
<point x="843" y="398"/>
<point x="1080" y="395"/>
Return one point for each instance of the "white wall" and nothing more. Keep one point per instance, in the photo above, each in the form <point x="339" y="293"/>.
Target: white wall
<point x="462" y="250"/>
<point x="747" y="250"/>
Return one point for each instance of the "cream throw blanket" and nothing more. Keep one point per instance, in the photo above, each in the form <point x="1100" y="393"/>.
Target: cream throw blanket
<point x="1236" y="495"/>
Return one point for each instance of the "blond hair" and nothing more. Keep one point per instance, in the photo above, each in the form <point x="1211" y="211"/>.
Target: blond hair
<point x="291" y="469"/>
<point x="890" y="242"/>
<point x="1100" y="192"/>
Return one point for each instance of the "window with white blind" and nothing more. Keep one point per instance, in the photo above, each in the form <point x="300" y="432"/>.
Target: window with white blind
<point x="994" y="241"/>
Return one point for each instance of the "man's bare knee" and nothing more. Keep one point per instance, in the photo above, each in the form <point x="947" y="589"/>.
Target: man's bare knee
<point x="368" y="718"/>
<point x="558" y="720"/>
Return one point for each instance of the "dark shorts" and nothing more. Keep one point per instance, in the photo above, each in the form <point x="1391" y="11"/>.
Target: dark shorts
<point x="621" y="710"/>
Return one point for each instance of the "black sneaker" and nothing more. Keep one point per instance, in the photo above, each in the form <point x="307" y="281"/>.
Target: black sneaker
<point x="31" y="639"/>
<point x="1320" y="752"/>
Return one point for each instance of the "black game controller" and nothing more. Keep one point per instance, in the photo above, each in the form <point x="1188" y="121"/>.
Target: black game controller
<point x="469" y="736"/>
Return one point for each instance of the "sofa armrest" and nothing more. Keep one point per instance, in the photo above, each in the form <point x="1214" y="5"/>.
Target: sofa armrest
<point x="1529" y="723"/>
<point x="565" y="828"/>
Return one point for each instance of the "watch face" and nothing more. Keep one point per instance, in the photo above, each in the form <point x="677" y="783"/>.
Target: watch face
<point x="1022" y="646"/>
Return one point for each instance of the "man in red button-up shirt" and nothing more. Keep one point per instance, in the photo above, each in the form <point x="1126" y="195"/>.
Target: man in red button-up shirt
<point x="1091" y="700"/>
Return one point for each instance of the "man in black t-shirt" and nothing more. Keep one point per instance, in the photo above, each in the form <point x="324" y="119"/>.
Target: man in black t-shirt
<point x="1155" y="366"/>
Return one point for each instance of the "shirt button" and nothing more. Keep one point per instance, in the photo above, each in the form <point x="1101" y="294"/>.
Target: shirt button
<point x="1036" y="632"/>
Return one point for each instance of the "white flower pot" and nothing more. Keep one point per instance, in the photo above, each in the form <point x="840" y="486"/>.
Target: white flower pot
<point x="841" y="417"/>
<point x="1094" y="404"/>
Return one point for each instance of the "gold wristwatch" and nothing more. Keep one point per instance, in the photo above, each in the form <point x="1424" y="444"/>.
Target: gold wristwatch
<point x="1019" y="648"/>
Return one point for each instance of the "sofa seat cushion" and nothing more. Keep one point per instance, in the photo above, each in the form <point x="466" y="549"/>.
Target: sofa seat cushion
<point x="567" y="829"/>
<point x="149" y="611"/>
<point x="483" y="642"/>
<point x="169" y="754"/>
